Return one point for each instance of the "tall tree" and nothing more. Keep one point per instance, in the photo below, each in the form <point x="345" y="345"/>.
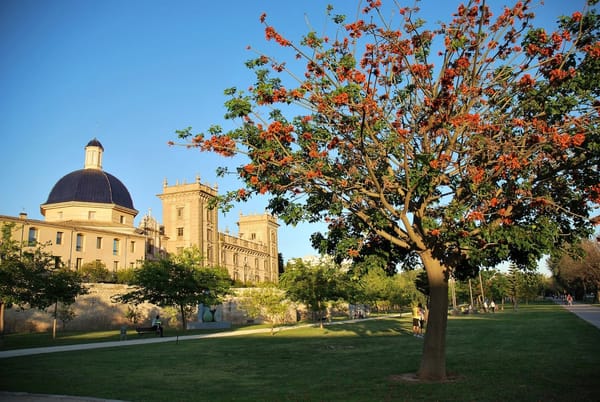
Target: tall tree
<point x="466" y="144"/>
<point x="34" y="278"/>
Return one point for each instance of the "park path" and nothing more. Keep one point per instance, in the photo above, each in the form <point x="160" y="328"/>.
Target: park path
<point x="135" y="339"/>
<point x="587" y="312"/>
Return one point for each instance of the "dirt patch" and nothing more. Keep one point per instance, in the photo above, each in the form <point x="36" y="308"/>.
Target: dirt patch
<point x="412" y="378"/>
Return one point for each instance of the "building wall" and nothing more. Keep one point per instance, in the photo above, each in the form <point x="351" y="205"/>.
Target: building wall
<point x="76" y="244"/>
<point x="89" y="212"/>
<point x="188" y="221"/>
<point x="262" y="229"/>
<point x="251" y="257"/>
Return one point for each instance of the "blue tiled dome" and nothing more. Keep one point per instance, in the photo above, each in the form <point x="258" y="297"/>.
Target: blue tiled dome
<point x="90" y="185"/>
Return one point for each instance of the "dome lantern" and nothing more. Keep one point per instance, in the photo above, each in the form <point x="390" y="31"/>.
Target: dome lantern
<point x="93" y="155"/>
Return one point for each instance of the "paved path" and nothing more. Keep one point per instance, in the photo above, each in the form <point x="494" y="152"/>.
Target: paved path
<point x="587" y="312"/>
<point x="139" y="340"/>
<point x="133" y="340"/>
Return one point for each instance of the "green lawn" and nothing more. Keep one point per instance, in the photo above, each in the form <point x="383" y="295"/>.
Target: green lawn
<point x="540" y="353"/>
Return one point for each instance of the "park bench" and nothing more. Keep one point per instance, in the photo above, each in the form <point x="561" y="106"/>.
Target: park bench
<point x="147" y="330"/>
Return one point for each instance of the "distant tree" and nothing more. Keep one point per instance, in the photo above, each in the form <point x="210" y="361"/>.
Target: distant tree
<point x="266" y="301"/>
<point x="313" y="285"/>
<point x="579" y="273"/>
<point x="465" y="144"/>
<point x="51" y="285"/>
<point x="497" y="286"/>
<point x="173" y="282"/>
<point x="382" y="290"/>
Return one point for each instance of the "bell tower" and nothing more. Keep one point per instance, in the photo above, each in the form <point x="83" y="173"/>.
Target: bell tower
<point x="262" y="228"/>
<point x="188" y="220"/>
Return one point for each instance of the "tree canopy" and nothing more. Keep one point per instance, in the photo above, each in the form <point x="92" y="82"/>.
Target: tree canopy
<point x="177" y="282"/>
<point x="465" y="144"/>
<point x="31" y="277"/>
<point x="579" y="274"/>
<point x="314" y="284"/>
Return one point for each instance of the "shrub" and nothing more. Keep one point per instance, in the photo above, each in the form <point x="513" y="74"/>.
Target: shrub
<point x="95" y="271"/>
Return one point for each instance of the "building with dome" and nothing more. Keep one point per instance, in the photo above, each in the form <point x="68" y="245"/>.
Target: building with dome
<point x="89" y="216"/>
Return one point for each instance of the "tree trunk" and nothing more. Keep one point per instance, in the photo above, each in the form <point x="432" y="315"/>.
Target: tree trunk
<point x="433" y="361"/>
<point x="1" y="318"/>
<point x="54" y="321"/>
<point x="183" y="319"/>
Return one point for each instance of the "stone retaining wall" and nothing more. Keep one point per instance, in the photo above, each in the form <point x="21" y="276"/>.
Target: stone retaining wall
<point x="96" y="311"/>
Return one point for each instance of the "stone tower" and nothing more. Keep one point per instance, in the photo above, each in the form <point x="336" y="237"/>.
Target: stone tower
<point x="188" y="221"/>
<point x="262" y="229"/>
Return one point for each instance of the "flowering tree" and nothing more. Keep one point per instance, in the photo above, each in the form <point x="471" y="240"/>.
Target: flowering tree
<point x="465" y="145"/>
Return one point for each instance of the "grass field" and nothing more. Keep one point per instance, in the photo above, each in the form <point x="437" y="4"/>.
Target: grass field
<point x="540" y="353"/>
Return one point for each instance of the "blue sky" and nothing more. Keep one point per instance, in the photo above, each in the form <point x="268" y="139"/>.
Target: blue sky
<point x="130" y="73"/>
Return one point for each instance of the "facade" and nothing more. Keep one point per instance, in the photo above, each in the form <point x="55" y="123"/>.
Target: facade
<point x="89" y="216"/>
<point x="252" y="256"/>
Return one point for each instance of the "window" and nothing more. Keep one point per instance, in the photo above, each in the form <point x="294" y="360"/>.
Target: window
<point x="57" y="262"/>
<point x="121" y="219"/>
<point x="150" y="246"/>
<point x="98" y="243"/>
<point x="115" y="266"/>
<point x="78" y="263"/>
<point x="131" y="265"/>
<point x="252" y="236"/>
<point x="179" y="232"/>
<point x="79" y="242"/>
<point x="132" y="247"/>
<point x="91" y="215"/>
<point x="180" y="213"/>
<point x="59" y="236"/>
<point x="116" y="246"/>
<point x="208" y="234"/>
<point x="33" y="235"/>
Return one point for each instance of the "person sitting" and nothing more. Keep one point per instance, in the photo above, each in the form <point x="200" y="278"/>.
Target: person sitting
<point x="157" y="325"/>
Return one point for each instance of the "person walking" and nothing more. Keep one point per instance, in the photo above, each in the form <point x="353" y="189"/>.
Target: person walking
<point x="157" y="325"/>
<point x="422" y="320"/>
<point x="569" y="299"/>
<point x="416" y="315"/>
